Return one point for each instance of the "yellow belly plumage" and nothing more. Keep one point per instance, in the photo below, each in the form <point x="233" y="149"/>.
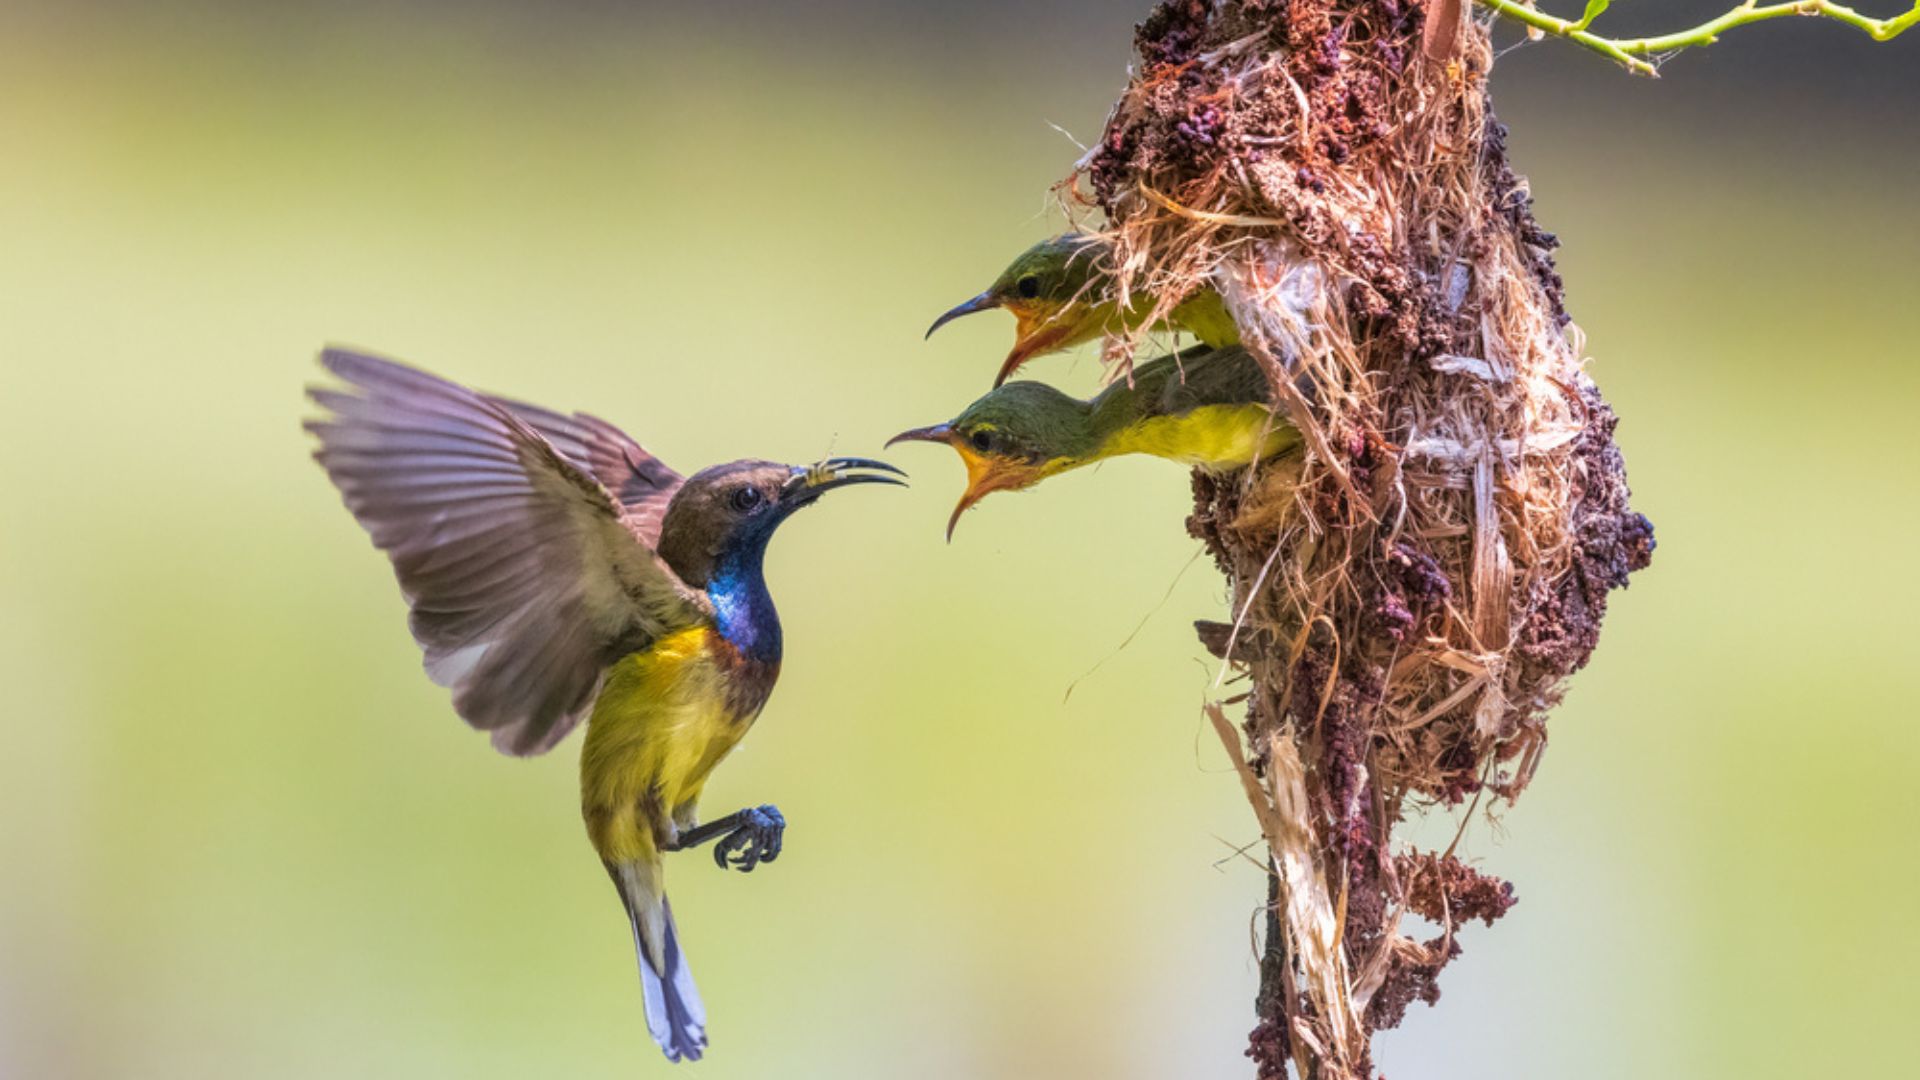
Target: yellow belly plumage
<point x="660" y="725"/>
<point x="1205" y="316"/>
<point x="1211" y="436"/>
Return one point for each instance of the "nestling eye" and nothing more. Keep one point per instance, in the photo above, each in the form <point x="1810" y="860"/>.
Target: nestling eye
<point x="1028" y="287"/>
<point x="746" y="498"/>
<point x="981" y="440"/>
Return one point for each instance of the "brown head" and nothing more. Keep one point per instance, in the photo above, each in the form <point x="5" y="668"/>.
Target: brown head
<point x="723" y="516"/>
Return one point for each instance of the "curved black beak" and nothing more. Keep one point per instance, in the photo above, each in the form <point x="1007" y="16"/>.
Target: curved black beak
<point x="984" y="302"/>
<point x="937" y="433"/>
<point x="809" y="482"/>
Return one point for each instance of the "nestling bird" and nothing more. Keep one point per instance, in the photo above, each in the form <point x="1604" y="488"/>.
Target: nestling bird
<point x="1061" y="293"/>
<point x="1201" y="407"/>
<point x="557" y="571"/>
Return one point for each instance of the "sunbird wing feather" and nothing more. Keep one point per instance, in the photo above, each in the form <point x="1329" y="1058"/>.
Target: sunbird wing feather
<point x="1202" y="376"/>
<point x="524" y="574"/>
<point x="642" y="483"/>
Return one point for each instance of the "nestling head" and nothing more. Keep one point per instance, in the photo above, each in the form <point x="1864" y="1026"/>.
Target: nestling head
<point x="1012" y="438"/>
<point x="731" y="510"/>
<point x="1057" y="293"/>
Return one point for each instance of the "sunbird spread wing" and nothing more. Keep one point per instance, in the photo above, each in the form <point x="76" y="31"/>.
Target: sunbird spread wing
<point x="525" y="574"/>
<point x="642" y="483"/>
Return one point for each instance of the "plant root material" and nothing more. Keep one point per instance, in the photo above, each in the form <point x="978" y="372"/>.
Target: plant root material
<point x="1412" y="593"/>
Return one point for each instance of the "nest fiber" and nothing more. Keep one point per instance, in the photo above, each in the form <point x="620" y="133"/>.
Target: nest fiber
<point x="1412" y="592"/>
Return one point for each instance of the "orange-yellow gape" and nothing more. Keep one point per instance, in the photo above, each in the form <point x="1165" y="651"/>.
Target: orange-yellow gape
<point x="1060" y="292"/>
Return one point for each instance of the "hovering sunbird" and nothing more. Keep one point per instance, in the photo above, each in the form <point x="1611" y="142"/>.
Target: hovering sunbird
<point x="1061" y="294"/>
<point x="558" y="572"/>
<point x="1205" y="408"/>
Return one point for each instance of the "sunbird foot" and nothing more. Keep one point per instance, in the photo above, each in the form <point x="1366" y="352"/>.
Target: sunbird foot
<point x="756" y="840"/>
<point x="746" y="838"/>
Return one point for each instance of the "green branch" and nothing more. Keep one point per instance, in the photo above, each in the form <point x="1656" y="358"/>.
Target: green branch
<point x="1633" y="52"/>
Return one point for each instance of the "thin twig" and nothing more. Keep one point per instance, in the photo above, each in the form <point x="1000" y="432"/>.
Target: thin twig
<point x="1629" y="52"/>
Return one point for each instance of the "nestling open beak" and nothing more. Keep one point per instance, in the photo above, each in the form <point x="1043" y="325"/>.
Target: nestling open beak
<point x="1037" y="331"/>
<point x="809" y="482"/>
<point x="985" y="475"/>
<point x="984" y="302"/>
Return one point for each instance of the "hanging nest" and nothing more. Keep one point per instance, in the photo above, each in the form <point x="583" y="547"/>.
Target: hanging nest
<point x="1411" y="593"/>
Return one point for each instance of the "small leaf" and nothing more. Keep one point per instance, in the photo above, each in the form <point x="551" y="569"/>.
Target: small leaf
<point x="1594" y="10"/>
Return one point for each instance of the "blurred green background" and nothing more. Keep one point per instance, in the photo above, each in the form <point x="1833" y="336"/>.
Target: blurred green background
<point x="244" y="836"/>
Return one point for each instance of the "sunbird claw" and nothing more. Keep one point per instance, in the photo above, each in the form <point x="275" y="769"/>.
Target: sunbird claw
<point x="757" y="839"/>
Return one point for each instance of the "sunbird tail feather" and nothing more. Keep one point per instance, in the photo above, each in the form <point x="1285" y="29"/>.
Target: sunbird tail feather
<point x="675" y="1014"/>
<point x="676" y="1017"/>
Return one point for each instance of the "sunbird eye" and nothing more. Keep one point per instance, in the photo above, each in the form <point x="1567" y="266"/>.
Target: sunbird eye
<point x="746" y="498"/>
<point x="1028" y="287"/>
<point x="982" y="440"/>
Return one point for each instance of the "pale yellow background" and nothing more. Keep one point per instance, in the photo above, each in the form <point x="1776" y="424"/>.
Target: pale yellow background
<point x="242" y="835"/>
